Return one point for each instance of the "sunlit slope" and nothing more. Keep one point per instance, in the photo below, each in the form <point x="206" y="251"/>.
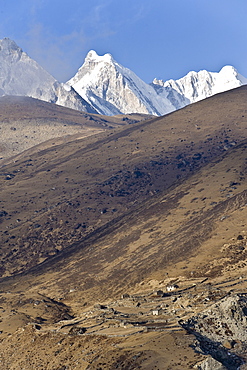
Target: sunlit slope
<point x="26" y="122"/>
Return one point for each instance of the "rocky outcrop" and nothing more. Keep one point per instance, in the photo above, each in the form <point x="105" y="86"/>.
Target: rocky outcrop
<point x="225" y="320"/>
<point x="220" y="331"/>
<point x="210" y="364"/>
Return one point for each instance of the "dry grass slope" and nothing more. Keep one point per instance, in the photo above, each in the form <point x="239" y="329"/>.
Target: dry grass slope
<point x="27" y="122"/>
<point x="133" y="210"/>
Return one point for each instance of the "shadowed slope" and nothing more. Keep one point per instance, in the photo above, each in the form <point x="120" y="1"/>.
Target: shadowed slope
<point x="57" y="196"/>
<point x="177" y="231"/>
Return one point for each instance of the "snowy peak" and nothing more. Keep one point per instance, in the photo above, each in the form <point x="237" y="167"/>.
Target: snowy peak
<point x="93" y="62"/>
<point x="196" y="86"/>
<point x="230" y="78"/>
<point x="113" y="89"/>
<point x="92" y="56"/>
<point x="8" y="46"/>
<point x="21" y="75"/>
<point x="229" y="70"/>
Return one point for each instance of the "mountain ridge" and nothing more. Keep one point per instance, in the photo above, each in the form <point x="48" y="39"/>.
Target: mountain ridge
<point x="102" y="85"/>
<point x="108" y="86"/>
<point x="193" y="89"/>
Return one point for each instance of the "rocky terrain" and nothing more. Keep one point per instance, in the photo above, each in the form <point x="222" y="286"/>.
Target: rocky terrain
<point x="127" y="249"/>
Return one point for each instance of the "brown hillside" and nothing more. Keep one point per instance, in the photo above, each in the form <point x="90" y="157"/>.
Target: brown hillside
<point x="26" y="122"/>
<point x="57" y="196"/>
<point x="95" y="231"/>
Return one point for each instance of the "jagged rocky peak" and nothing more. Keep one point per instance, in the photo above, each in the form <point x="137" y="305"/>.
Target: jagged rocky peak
<point x="20" y="75"/>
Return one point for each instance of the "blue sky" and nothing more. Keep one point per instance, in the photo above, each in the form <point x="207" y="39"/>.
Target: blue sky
<point x="158" y="38"/>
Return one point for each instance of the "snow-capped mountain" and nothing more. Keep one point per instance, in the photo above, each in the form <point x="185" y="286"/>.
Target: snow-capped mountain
<point x="196" y="86"/>
<point x="104" y="86"/>
<point x="21" y="75"/>
<point x="112" y="89"/>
